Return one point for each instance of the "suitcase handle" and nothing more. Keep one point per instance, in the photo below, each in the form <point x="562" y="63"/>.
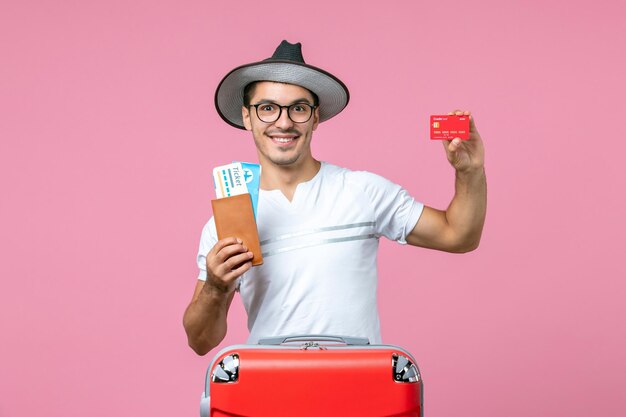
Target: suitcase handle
<point x="348" y="340"/>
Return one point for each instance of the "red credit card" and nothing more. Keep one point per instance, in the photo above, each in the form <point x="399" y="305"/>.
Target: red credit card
<point x="449" y="127"/>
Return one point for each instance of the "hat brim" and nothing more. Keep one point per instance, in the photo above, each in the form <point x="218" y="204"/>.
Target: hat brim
<point x="332" y="93"/>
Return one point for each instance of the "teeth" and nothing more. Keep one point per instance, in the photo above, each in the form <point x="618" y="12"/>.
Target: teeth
<point x="283" y="140"/>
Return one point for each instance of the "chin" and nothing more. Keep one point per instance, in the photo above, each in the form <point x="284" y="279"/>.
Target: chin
<point x="284" y="162"/>
<point x="284" y="159"/>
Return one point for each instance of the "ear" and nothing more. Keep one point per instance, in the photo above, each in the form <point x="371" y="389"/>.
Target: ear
<point x="316" y="117"/>
<point x="245" y="114"/>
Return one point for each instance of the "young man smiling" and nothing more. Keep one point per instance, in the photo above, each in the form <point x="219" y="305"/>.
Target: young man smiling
<point x="319" y="224"/>
<point x="283" y="146"/>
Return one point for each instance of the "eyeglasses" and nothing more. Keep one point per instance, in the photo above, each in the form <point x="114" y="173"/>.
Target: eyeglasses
<point x="270" y="112"/>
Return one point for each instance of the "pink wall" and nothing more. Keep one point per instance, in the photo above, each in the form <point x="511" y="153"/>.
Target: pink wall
<point x="108" y="134"/>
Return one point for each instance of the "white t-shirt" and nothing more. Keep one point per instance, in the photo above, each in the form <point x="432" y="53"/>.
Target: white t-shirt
<point x="319" y="274"/>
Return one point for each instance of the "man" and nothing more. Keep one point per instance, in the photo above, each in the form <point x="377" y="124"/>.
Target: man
<point x="319" y="224"/>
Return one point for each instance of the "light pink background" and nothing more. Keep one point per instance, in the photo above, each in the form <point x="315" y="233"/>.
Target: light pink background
<point x="108" y="135"/>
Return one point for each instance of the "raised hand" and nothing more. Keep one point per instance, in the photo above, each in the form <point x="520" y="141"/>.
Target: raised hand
<point x="465" y="155"/>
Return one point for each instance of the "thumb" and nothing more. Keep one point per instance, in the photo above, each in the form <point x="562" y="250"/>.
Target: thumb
<point x="453" y="145"/>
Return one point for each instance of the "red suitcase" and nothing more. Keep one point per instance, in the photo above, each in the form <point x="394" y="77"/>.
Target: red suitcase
<point x="313" y="376"/>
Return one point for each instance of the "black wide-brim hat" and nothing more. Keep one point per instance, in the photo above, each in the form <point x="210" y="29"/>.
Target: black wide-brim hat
<point x="286" y="66"/>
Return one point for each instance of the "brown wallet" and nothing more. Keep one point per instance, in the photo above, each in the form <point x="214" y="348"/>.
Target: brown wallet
<point x="234" y="218"/>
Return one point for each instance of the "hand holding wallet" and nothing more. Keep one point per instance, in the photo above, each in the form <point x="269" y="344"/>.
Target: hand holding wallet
<point x="234" y="217"/>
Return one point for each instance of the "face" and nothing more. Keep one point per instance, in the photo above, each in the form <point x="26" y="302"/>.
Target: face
<point x="282" y="142"/>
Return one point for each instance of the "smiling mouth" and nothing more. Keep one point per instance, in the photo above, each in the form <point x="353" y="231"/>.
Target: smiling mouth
<point x="283" y="140"/>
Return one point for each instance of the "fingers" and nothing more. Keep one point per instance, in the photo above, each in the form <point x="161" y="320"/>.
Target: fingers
<point x="465" y="113"/>
<point x="460" y="113"/>
<point x="234" y="262"/>
<point x="230" y="250"/>
<point x="224" y="243"/>
<point x="227" y="255"/>
<point x="237" y="272"/>
<point x="226" y="261"/>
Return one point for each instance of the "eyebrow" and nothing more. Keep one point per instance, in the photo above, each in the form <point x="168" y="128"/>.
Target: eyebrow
<point x="296" y="101"/>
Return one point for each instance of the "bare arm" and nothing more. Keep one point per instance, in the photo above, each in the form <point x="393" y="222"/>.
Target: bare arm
<point x="205" y="317"/>
<point x="459" y="228"/>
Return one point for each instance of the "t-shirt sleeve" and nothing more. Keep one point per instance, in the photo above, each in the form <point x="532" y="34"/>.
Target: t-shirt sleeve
<point x="395" y="210"/>
<point x="208" y="239"/>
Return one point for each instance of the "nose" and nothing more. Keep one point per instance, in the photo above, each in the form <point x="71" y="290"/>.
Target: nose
<point x="284" y="122"/>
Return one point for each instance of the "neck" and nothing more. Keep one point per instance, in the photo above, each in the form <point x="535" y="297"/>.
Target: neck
<point x="286" y="177"/>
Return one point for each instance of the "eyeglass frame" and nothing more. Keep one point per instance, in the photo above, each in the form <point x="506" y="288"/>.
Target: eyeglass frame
<point x="280" y="110"/>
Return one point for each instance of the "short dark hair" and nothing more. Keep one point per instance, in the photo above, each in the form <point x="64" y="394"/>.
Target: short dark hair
<point x="248" y="92"/>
